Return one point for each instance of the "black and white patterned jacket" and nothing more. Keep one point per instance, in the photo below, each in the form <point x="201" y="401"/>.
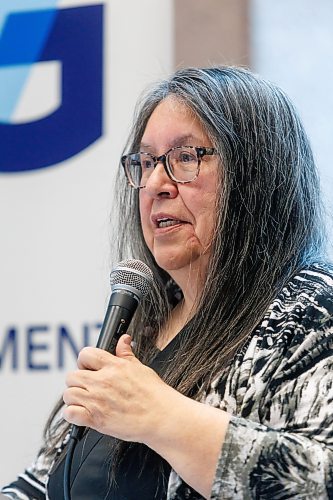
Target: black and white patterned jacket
<point x="279" y="391"/>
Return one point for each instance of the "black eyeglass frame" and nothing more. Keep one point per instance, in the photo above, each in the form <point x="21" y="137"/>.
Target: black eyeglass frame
<point x="201" y="151"/>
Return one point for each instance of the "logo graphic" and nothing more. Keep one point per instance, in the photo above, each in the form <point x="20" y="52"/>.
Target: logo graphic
<point x="51" y="84"/>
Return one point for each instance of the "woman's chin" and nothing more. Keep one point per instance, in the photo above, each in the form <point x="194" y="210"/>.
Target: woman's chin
<point x="176" y="261"/>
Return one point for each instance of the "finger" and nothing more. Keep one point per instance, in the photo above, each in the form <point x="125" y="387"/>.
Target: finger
<point x="92" y="358"/>
<point x="75" y="396"/>
<point x="79" y="378"/>
<point x="124" y="348"/>
<point x="78" y="415"/>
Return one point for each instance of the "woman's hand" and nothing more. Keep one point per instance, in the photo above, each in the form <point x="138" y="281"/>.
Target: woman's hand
<point x="121" y="397"/>
<point x="115" y="395"/>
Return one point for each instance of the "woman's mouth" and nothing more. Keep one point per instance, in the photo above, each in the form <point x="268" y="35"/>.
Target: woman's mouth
<point x="166" y="222"/>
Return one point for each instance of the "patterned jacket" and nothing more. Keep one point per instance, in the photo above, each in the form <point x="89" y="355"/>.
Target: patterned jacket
<point x="279" y="391"/>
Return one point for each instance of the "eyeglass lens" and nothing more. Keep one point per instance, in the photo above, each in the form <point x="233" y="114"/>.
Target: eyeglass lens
<point x="182" y="164"/>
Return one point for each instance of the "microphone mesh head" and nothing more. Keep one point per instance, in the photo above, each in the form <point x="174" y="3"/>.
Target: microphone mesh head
<point x="134" y="275"/>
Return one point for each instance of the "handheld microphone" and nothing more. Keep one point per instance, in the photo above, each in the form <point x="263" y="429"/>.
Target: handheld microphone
<point x="131" y="281"/>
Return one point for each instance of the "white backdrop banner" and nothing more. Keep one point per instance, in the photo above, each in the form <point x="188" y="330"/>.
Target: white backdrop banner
<point x="70" y="73"/>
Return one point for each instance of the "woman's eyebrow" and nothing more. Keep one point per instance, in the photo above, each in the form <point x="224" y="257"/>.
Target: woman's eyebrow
<point x="183" y="140"/>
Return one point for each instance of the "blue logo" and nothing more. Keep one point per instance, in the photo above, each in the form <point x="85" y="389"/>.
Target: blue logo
<point x="61" y="50"/>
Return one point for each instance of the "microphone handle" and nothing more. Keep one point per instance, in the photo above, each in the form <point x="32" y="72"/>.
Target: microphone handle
<point x="120" y="311"/>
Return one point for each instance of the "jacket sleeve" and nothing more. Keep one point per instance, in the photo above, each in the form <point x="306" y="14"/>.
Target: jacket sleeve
<point x="288" y="451"/>
<point x="32" y="483"/>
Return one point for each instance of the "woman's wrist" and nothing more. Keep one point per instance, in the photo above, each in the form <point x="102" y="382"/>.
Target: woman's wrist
<point x="189" y="436"/>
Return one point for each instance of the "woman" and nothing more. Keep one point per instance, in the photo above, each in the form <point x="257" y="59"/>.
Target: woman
<point x="228" y="391"/>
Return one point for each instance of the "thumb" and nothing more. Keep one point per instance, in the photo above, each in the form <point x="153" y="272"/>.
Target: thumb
<point x="124" y="349"/>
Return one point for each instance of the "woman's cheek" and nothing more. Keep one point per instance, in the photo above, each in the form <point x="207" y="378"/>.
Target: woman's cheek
<point x="145" y="211"/>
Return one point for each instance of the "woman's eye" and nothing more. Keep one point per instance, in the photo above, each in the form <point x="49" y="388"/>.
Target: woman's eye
<point x="147" y="163"/>
<point x="186" y="157"/>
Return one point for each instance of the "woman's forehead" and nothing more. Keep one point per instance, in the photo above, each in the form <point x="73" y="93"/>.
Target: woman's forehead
<point x="173" y="123"/>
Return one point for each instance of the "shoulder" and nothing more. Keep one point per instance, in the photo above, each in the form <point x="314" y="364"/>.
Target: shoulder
<point x="305" y="302"/>
<point x="313" y="282"/>
<point x="297" y="326"/>
<point x="295" y="336"/>
<point x="301" y="313"/>
<point x="290" y="347"/>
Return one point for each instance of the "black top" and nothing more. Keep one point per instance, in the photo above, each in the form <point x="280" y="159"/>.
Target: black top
<point x="142" y="473"/>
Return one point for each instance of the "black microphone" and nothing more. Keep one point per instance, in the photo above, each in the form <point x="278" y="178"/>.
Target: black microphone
<point x="131" y="280"/>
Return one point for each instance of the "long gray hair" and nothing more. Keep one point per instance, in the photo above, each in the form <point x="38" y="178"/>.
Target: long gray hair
<point x="268" y="215"/>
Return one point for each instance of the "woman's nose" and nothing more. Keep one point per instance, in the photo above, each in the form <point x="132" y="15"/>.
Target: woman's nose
<point x="159" y="183"/>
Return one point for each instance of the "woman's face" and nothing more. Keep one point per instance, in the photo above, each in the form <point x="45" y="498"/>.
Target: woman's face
<point x="187" y="211"/>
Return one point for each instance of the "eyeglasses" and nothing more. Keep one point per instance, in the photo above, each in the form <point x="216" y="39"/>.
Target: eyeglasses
<point x="182" y="164"/>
